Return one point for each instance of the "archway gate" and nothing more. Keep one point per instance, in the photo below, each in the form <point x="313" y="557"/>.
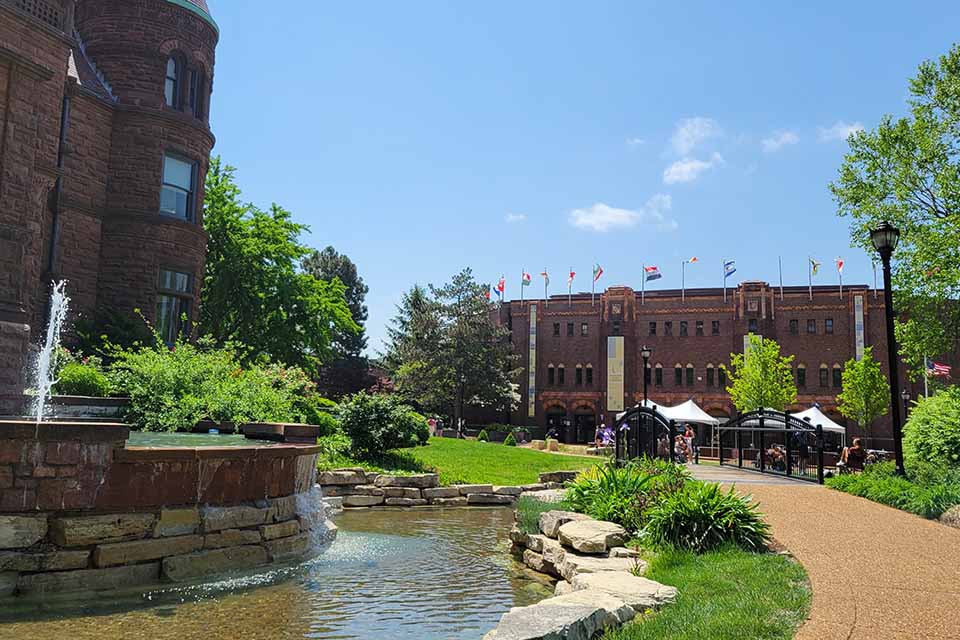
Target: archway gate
<point x="774" y="442"/>
<point x="644" y="431"/>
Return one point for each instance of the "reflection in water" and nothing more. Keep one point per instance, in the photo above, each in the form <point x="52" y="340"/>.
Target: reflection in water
<point x="391" y="574"/>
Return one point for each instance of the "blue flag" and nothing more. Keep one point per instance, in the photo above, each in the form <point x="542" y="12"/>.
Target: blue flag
<point x="729" y="268"/>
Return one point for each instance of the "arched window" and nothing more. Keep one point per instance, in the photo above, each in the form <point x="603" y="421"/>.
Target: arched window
<point x="801" y="375"/>
<point x="171" y="87"/>
<point x="689" y="375"/>
<point x="824" y="375"/>
<point x="678" y="374"/>
<point x="579" y="375"/>
<point x="658" y="375"/>
<point x="589" y="374"/>
<point x="721" y="376"/>
<point x="560" y="371"/>
<point x="837" y="376"/>
<point x="710" y="374"/>
<point x="197" y="92"/>
<point x="550" y="375"/>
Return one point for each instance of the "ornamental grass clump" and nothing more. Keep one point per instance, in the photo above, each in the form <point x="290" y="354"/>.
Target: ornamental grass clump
<point x="701" y="517"/>
<point x="510" y="441"/>
<point x="483" y="436"/>
<point x="608" y="492"/>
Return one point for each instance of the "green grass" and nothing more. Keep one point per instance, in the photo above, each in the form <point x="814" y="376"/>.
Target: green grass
<point x="724" y="594"/>
<point x="529" y="510"/>
<point x="463" y="462"/>
<point x="926" y="492"/>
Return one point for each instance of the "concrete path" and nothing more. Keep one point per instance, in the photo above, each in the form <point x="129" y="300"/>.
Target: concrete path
<point x="877" y="573"/>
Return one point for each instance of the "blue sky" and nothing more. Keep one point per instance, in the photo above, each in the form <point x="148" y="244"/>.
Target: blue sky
<point x="423" y="137"/>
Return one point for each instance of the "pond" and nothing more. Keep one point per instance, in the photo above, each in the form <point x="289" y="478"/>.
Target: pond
<point x="404" y="574"/>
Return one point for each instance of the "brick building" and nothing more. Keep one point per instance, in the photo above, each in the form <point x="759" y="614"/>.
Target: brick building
<point x="582" y="361"/>
<point x="104" y="146"/>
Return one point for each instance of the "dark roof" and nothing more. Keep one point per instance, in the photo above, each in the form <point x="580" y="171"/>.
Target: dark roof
<point x="199" y="7"/>
<point x="202" y="4"/>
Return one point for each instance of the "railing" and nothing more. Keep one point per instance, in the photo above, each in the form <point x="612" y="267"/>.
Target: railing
<point x="57" y="14"/>
<point x="774" y="442"/>
<point x="644" y="431"/>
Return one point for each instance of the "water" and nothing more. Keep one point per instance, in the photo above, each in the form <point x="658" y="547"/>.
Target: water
<point x="154" y="439"/>
<point x="413" y="574"/>
<point x="47" y="357"/>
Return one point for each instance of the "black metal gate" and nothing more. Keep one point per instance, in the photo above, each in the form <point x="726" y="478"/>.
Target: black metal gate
<point x="774" y="442"/>
<point x="644" y="431"/>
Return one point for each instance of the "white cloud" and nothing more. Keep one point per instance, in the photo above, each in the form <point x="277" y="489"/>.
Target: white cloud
<point x="689" y="169"/>
<point x="602" y="217"/>
<point x="691" y="132"/>
<point x="513" y="218"/>
<point x="839" y="131"/>
<point x="635" y="142"/>
<point x="778" y="140"/>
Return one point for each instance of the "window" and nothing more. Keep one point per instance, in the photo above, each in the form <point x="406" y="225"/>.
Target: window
<point x="715" y="328"/>
<point x="753" y="326"/>
<point x="683" y="327"/>
<point x="658" y="375"/>
<point x="709" y="375"/>
<point x="721" y="377"/>
<point x="583" y="328"/>
<point x="171" y="85"/>
<point x="560" y="371"/>
<point x="811" y="326"/>
<point x="589" y="375"/>
<point x="196" y="93"/>
<point x="569" y="328"/>
<point x="689" y="375"/>
<point x="653" y="329"/>
<point x="550" y="375"/>
<point x="174" y="295"/>
<point x="668" y="328"/>
<point x="176" y="194"/>
<point x="794" y="327"/>
<point x="556" y="328"/>
<point x="677" y="375"/>
<point x="837" y="376"/>
<point x="824" y="375"/>
<point x="699" y="327"/>
<point x="801" y="376"/>
<point x="828" y="325"/>
<point x="579" y="376"/>
<point x="616" y="327"/>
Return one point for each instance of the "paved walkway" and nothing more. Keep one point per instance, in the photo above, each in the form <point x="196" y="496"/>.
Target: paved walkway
<point x="877" y="573"/>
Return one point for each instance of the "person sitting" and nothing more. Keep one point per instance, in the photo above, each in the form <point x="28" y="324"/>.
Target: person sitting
<point x="680" y="450"/>
<point x="854" y="457"/>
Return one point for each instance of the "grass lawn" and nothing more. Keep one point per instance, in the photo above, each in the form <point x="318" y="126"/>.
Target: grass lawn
<point x="469" y="462"/>
<point x="724" y="594"/>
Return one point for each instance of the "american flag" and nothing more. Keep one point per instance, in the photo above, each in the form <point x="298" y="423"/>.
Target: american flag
<point x="937" y="369"/>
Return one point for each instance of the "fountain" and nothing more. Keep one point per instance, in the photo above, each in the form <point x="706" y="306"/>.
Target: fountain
<point x="46" y="361"/>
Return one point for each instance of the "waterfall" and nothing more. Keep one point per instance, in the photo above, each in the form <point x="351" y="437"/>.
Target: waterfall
<point x="46" y="361"/>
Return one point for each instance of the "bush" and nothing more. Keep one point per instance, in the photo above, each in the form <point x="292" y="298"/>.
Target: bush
<point x="482" y="436"/>
<point x="79" y="379"/>
<point x="701" y="517"/>
<point x="378" y="423"/>
<point x="327" y="422"/>
<point x="928" y="492"/>
<point x="607" y="493"/>
<point x="932" y="434"/>
<point x="510" y="441"/>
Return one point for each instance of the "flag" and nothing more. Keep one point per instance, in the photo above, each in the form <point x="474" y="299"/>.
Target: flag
<point x="501" y="286"/>
<point x="814" y="266"/>
<point x="937" y="369"/>
<point x="525" y="279"/>
<point x="653" y="273"/>
<point x="597" y="272"/>
<point x="692" y="260"/>
<point x="570" y="279"/>
<point x="546" y="278"/>
<point x="486" y="294"/>
<point x="839" y="262"/>
<point x="729" y="268"/>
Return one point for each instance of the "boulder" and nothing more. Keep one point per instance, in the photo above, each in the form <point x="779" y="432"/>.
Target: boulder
<point x="17" y="532"/>
<point x="279" y="530"/>
<point x="231" y="538"/>
<point x="591" y="536"/>
<point x="489" y="498"/>
<point x="623" y="552"/>
<point x="552" y="550"/>
<point x="177" y="522"/>
<point x="450" y="502"/>
<point x="405" y="502"/>
<point x="342" y="476"/>
<point x="551" y="521"/>
<point x="518" y="536"/>
<point x="440" y="492"/>
<point x="88" y="530"/>
<point x="558" y="476"/>
<point x="507" y="491"/>
<point x="534" y="542"/>
<point x="372" y="477"/>
<point x="8" y="583"/>
<point x="204" y="563"/>
<point x="107" y="555"/>
<point x="580" y="615"/>
<point x="639" y="593"/>
<point x="951" y="517"/>
<point x="538" y="444"/>
<point x="553" y="445"/>
<point x="353" y="490"/>
<point x="334" y="505"/>
<point x="419" y="481"/>
<point x="51" y="561"/>
<point x="467" y="489"/>
<point x="89" y="579"/>
<point x="402" y="492"/>
<point x="362" y="501"/>
<point x="536" y="486"/>
<point x="574" y="564"/>
<point x="537" y="562"/>
<point x="546" y="495"/>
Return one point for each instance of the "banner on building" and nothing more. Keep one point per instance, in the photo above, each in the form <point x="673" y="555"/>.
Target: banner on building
<point x="858" y="324"/>
<point x="532" y="365"/>
<point x="615" y="373"/>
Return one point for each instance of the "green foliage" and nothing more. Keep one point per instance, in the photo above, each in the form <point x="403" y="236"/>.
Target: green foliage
<point x="907" y="172"/>
<point x="327" y="422"/>
<point x="701" y="517"/>
<point x="760" y="377"/>
<point x="79" y="379"/>
<point x="379" y="423"/>
<point x="608" y="493"/>
<point x="865" y="392"/>
<point x="932" y="433"/>
<point x="510" y="441"/>
<point x="528" y="513"/>
<point x="109" y="330"/>
<point x="253" y="292"/>
<point x="483" y="436"/>
<point x="927" y="492"/>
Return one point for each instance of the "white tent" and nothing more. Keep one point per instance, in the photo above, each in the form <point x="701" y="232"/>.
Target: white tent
<point x="817" y="417"/>
<point x="686" y="412"/>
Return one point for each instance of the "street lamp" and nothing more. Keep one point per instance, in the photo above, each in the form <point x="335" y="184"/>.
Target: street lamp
<point x="885" y="239"/>
<point x="645" y="354"/>
<point x="905" y="395"/>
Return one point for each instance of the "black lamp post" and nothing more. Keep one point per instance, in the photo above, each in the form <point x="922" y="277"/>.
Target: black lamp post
<point x="885" y="239"/>
<point x="905" y="395"/>
<point x="645" y="354"/>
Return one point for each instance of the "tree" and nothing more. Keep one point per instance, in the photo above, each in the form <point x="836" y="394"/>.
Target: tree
<point x="253" y="292"/>
<point x="761" y="378"/>
<point x="347" y="370"/>
<point x="907" y="172"/>
<point x="864" y="397"/>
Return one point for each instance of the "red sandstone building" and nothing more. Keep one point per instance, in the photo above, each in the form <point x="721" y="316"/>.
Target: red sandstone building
<point x="582" y="362"/>
<point x="104" y="145"/>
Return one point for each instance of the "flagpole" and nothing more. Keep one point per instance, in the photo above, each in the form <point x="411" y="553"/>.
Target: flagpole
<point x="521" y="287"/>
<point x="780" y="269"/>
<point x="593" y="284"/>
<point x="810" y="276"/>
<point x="643" y="281"/>
<point x="723" y="272"/>
<point x="683" y="281"/>
<point x="926" y="376"/>
<point x="840" y="275"/>
<point x="570" y="289"/>
<point x="546" y="281"/>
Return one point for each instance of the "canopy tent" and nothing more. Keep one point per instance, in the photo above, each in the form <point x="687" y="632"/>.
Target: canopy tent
<point x="686" y="412"/>
<point x="817" y="417"/>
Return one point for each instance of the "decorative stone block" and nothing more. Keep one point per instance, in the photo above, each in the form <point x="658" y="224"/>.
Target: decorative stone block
<point x="440" y="492"/>
<point x="220" y="518"/>
<point x="362" y="501"/>
<point x="534" y="542"/>
<point x="51" y="561"/>
<point x="404" y="502"/>
<point x="88" y="530"/>
<point x="89" y="579"/>
<point x="8" y="583"/>
<point x="342" y="476"/>
<point x="558" y="476"/>
<point x="537" y="562"/>
<point x="578" y="615"/>
<point x="106" y="555"/>
<point x="287" y="548"/>
<point x="489" y="498"/>
<point x="203" y="563"/>
<point x="402" y="492"/>
<point x="574" y="564"/>
<point x="352" y="490"/>
<point x="334" y="505"/>
<point x="280" y="530"/>
<point x="591" y="536"/>
<point x="460" y="501"/>
<point x="466" y="489"/>
<point x="17" y="532"/>
<point x="177" y="522"/>
<point x="518" y="536"/>
<point x="507" y="491"/>
<point x="639" y="593"/>
<point x="281" y="509"/>
<point x="420" y="481"/>
<point x="551" y="521"/>
<point x="231" y="538"/>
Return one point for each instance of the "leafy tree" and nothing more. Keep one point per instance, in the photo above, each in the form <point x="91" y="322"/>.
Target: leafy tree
<point x="761" y="378"/>
<point x="253" y="292"/>
<point x="907" y="172"/>
<point x="864" y="397"/>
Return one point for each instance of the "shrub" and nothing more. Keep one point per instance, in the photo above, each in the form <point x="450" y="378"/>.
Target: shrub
<point x="928" y="492"/>
<point x="327" y="422"/>
<point x="79" y="379"/>
<point x="528" y="513"/>
<point x="378" y="423"/>
<point x="510" y="441"/>
<point x="932" y="434"/>
<point x="482" y="436"/>
<point x="607" y="492"/>
<point x="701" y="517"/>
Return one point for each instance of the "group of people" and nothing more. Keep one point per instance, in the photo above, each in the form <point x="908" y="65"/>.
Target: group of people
<point x="684" y="445"/>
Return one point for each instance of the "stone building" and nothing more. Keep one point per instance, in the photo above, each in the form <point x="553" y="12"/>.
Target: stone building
<point x="104" y="146"/>
<point x="582" y="361"/>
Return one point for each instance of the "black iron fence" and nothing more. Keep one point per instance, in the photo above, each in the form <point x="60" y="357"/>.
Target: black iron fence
<point x="773" y="442"/>
<point x="643" y="431"/>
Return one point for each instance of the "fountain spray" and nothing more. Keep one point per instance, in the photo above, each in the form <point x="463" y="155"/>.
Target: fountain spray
<point x="47" y="357"/>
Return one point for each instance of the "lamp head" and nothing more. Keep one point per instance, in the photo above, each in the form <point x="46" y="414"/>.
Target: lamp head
<point x="645" y="352"/>
<point x="885" y="238"/>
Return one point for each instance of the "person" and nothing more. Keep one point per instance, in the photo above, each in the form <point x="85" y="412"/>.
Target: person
<point x="663" y="447"/>
<point x="688" y="437"/>
<point x="853" y="457"/>
<point x="680" y="450"/>
<point x="598" y="435"/>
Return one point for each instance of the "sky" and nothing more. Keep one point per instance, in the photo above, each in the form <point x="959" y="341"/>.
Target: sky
<point x="423" y="137"/>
